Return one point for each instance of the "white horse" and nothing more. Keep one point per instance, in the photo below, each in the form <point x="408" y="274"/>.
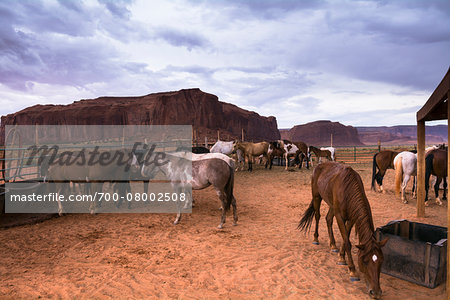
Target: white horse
<point x="227" y="149"/>
<point x="405" y="166"/>
<point x="199" y="172"/>
<point x="332" y="151"/>
<point x="222" y="147"/>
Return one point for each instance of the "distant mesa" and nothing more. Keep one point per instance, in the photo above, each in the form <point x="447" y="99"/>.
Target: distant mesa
<point x="402" y="135"/>
<point x="320" y="133"/>
<point x="193" y="107"/>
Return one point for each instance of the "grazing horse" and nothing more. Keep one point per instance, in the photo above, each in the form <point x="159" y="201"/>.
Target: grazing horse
<point x="122" y="166"/>
<point x="436" y="164"/>
<point x="214" y="169"/>
<point x="275" y="150"/>
<point x="342" y="189"/>
<point x="303" y="153"/>
<point x="332" y="152"/>
<point x="320" y="153"/>
<point x="405" y="166"/>
<point x="251" y="150"/>
<point x="382" y="160"/>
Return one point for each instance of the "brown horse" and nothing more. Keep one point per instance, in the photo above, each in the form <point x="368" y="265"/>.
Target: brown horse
<point x="320" y="153"/>
<point x="250" y="150"/>
<point x="342" y="189"/>
<point x="303" y="153"/>
<point x="436" y="164"/>
<point x="382" y="160"/>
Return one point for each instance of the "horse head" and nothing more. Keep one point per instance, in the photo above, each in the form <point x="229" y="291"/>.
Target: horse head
<point x="370" y="259"/>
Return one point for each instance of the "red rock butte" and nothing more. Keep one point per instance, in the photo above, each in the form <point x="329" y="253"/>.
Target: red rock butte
<point x="193" y="107"/>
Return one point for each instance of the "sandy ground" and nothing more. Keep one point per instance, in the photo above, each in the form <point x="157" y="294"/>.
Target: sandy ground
<point x="145" y="256"/>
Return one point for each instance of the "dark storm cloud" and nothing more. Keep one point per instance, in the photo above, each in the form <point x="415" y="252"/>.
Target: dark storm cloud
<point x="56" y="43"/>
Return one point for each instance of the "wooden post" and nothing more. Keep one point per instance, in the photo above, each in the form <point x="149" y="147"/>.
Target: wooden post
<point x="123" y="136"/>
<point x="206" y="142"/>
<point x="354" y="153"/>
<point x="331" y="142"/>
<point x="379" y="145"/>
<point x="448" y="206"/>
<point x="218" y="135"/>
<point x="36" y="139"/>
<point x="243" y="134"/>
<point x="420" y="169"/>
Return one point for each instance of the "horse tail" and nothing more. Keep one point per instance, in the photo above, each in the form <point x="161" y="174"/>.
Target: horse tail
<point x="428" y="170"/>
<point x="398" y="174"/>
<point x="229" y="189"/>
<point x="374" y="170"/>
<point x="305" y="222"/>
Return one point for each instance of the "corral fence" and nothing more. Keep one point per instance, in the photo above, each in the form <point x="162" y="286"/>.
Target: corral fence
<point x="364" y="154"/>
<point x="14" y="169"/>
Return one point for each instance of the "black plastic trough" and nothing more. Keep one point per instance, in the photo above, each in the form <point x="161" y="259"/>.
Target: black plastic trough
<point x="415" y="252"/>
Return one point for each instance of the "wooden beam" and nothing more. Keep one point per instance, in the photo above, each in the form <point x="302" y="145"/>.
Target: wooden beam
<point x="448" y="206"/>
<point x="420" y="168"/>
<point x="438" y="96"/>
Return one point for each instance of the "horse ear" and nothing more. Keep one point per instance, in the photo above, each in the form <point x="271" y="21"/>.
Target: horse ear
<point x="383" y="242"/>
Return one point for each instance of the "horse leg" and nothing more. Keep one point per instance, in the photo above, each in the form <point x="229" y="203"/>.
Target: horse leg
<point x="287" y="161"/>
<point x="404" y="184"/>
<point x="329" y="218"/>
<point x="347" y="246"/>
<point x="379" y="177"/>
<point x="444" y="197"/>
<point x="250" y="163"/>
<point x="436" y="190"/>
<point x="317" y="202"/>
<point x="179" y="191"/>
<point x="222" y="197"/>
<point x="235" y="217"/>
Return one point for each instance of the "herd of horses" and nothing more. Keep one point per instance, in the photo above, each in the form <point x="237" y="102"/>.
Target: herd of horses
<point x="335" y="183"/>
<point x="405" y="165"/>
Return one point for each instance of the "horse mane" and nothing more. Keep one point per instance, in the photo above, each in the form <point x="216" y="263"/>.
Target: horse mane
<point x="358" y="208"/>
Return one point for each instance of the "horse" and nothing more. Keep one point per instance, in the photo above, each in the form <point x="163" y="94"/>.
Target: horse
<point x="405" y="166"/>
<point x="342" y="189"/>
<point x="332" y="152"/>
<point x="121" y="166"/>
<point x="214" y="169"/>
<point x="320" y="153"/>
<point x="382" y="160"/>
<point x="222" y="147"/>
<point x="303" y="148"/>
<point x="195" y="149"/>
<point x="227" y="149"/>
<point x="436" y="164"/>
<point x="252" y="149"/>
<point x="274" y="150"/>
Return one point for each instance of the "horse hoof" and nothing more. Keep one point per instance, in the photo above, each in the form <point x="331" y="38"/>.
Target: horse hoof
<point x="219" y="227"/>
<point x="354" y="279"/>
<point x="335" y="250"/>
<point x="426" y="203"/>
<point x="315" y="243"/>
<point x="405" y="201"/>
<point x="235" y="224"/>
<point x="342" y="263"/>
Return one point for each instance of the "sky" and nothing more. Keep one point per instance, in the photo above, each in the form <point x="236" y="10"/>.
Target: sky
<point x="361" y="63"/>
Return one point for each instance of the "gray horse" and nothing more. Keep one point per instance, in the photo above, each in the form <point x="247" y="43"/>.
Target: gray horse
<point x="198" y="171"/>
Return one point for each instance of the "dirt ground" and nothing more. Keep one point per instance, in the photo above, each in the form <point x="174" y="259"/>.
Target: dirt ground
<point x="145" y="256"/>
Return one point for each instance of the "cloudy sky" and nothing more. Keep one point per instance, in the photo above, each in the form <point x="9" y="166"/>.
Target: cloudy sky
<point x="356" y="62"/>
